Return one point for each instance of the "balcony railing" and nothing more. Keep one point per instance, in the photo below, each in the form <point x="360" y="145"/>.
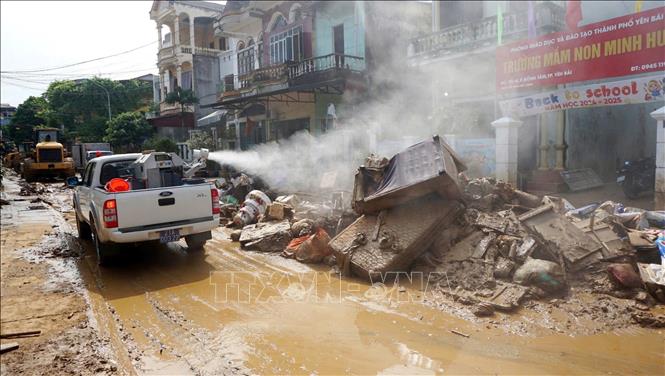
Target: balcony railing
<point x="326" y="62"/>
<point x="287" y="72"/>
<point x="549" y="18"/>
<point x="166" y="53"/>
<point x="206" y="51"/>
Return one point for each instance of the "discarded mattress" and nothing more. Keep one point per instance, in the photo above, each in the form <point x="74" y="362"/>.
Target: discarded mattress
<point x="374" y="245"/>
<point x="426" y="167"/>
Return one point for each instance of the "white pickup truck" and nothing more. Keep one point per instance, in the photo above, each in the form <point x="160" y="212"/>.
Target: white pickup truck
<point x="165" y="214"/>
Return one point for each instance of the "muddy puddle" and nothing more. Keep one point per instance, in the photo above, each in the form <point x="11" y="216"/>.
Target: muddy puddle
<point x="231" y="311"/>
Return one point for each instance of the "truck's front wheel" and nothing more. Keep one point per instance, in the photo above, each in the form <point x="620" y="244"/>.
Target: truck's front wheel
<point x="103" y="249"/>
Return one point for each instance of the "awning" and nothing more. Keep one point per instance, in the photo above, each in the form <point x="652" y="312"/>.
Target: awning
<point x="211" y="118"/>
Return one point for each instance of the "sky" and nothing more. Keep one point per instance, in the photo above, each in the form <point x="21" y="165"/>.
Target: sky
<point x="38" y="35"/>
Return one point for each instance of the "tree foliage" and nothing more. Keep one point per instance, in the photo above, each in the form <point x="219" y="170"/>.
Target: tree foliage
<point x="199" y="140"/>
<point x="128" y="131"/>
<point x="82" y="107"/>
<point x="29" y="114"/>
<point x="184" y="98"/>
<point x="161" y="144"/>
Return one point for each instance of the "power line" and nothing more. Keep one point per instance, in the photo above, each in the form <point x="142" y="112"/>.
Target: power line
<point x="47" y="75"/>
<point x="82" y="62"/>
<point x="23" y="86"/>
<point x="48" y="80"/>
<point x="114" y="93"/>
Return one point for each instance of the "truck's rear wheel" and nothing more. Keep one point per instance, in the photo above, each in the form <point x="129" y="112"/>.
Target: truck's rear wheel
<point x="196" y="242"/>
<point x="83" y="228"/>
<point x="103" y="249"/>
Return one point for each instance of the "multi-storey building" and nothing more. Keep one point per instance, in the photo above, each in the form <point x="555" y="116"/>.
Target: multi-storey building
<point x="296" y="65"/>
<point x="6" y="113"/>
<point x="187" y="58"/>
<point x="460" y="57"/>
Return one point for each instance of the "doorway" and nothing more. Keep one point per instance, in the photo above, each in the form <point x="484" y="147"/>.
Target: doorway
<point x="338" y="45"/>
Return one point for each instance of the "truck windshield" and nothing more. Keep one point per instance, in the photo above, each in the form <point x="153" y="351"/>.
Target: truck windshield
<point x="116" y="169"/>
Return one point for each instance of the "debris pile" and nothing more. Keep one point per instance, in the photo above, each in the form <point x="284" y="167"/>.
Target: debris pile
<point x="482" y="241"/>
<point x="507" y="248"/>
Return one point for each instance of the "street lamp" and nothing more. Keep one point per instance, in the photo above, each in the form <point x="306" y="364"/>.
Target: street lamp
<point x="108" y="97"/>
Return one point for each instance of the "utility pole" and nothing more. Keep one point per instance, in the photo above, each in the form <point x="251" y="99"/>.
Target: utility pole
<point x="108" y="97"/>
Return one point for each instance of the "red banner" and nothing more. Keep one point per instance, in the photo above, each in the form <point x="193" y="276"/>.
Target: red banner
<point x="620" y="46"/>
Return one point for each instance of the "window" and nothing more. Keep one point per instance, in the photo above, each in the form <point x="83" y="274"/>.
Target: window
<point x="87" y="175"/>
<point x="118" y="169"/>
<point x="246" y="61"/>
<point x="286" y="46"/>
<point x="222" y="44"/>
<point x="279" y="23"/>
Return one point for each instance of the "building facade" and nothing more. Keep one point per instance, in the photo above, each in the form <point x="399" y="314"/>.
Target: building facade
<point x="6" y="113"/>
<point x="187" y="58"/>
<point x="460" y="56"/>
<point x="293" y="66"/>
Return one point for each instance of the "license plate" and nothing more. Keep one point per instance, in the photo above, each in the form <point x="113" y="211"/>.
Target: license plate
<point x="620" y="179"/>
<point x="169" y="236"/>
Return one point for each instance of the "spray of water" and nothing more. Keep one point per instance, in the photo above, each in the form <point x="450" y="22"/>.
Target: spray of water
<point x="398" y="115"/>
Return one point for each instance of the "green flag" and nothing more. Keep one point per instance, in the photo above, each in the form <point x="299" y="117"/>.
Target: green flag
<point x="499" y="23"/>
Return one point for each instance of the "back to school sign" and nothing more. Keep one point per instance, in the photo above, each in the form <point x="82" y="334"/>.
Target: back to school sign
<point x="638" y="90"/>
<point x="620" y="46"/>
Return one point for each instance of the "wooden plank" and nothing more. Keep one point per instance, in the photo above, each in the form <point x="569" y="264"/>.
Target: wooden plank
<point x="6" y="347"/>
<point x="21" y="334"/>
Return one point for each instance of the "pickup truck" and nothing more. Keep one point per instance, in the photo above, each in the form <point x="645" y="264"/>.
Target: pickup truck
<point x="165" y="214"/>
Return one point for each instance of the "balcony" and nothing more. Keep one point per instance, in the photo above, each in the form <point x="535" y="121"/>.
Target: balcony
<point x="166" y="53"/>
<point x="168" y="108"/>
<point x="304" y="75"/>
<point x="467" y="37"/>
<point x="170" y="52"/>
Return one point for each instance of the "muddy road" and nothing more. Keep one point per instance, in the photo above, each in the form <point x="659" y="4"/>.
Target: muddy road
<point x="158" y="310"/>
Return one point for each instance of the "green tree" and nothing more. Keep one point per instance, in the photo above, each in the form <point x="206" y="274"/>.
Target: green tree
<point x="128" y="131"/>
<point x="184" y="98"/>
<point x="29" y="114"/>
<point x="161" y="144"/>
<point x="83" y="106"/>
<point x="199" y="140"/>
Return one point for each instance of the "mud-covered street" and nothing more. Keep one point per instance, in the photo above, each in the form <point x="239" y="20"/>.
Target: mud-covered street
<point x="159" y="310"/>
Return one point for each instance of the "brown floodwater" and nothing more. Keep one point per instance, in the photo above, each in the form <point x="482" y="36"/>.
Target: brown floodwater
<point x="228" y="310"/>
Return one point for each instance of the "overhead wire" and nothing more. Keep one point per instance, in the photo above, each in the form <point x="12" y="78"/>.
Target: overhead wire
<point x="81" y="62"/>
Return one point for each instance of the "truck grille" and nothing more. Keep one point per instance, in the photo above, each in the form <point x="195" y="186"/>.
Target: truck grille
<point x="50" y="155"/>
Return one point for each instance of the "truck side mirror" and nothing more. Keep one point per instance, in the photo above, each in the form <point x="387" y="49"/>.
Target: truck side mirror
<point x="72" y="181"/>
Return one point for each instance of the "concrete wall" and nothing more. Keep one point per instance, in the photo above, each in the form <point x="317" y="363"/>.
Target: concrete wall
<point x="350" y="15"/>
<point x="206" y="78"/>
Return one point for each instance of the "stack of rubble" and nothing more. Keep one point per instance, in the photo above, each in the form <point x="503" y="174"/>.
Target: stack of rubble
<point x="298" y="229"/>
<point x="404" y="203"/>
<point x="489" y="244"/>
<point x="509" y="246"/>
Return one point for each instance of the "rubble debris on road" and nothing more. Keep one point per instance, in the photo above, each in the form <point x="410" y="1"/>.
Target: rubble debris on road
<point x="488" y="245"/>
<point x="266" y="236"/>
<point x="405" y="232"/>
<point x="561" y="238"/>
<point x="310" y="248"/>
